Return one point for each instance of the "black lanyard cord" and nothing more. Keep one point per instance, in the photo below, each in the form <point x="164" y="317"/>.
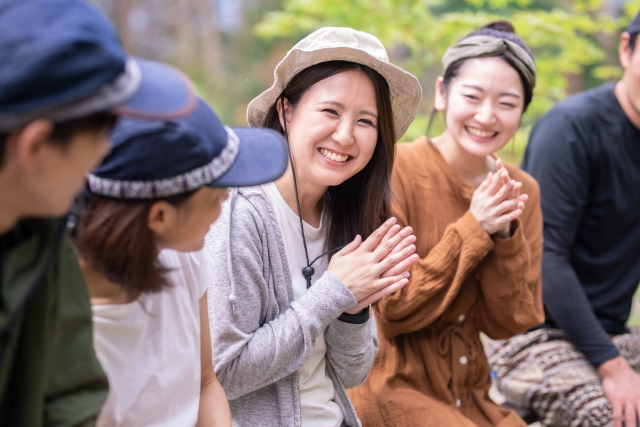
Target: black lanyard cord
<point x="307" y="271"/>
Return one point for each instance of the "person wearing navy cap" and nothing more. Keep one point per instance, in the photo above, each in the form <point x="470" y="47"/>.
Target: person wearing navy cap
<point x="150" y="205"/>
<point x="582" y="366"/>
<point x="64" y="79"/>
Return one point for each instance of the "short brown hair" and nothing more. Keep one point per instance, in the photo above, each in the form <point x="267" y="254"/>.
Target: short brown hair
<point x="363" y="202"/>
<point x="112" y="236"/>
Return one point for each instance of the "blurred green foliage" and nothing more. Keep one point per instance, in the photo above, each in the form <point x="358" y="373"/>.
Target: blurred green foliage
<point x="563" y="35"/>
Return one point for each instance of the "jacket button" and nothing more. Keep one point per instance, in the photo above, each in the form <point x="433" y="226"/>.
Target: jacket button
<point x="464" y="360"/>
<point x="461" y="318"/>
<point x="458" y="403"/>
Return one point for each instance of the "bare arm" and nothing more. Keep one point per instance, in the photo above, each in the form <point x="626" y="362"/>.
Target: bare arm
<point x="214" y="407"/>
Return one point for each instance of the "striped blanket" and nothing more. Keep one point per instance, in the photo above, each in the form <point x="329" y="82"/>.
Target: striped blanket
<point x="543" y="371"/>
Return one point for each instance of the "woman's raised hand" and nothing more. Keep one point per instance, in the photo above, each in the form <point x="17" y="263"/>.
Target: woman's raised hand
<point x="497" y="202"/>
<point x="378" y="266"/>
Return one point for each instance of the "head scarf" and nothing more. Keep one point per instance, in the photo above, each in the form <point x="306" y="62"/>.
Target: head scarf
<point x="486" y="46"/>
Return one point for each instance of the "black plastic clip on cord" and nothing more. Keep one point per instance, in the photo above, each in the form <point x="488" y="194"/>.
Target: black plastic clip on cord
<point x="307" y="271"/>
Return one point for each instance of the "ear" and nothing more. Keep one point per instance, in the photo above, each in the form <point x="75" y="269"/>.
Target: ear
<point x="162" y="217"/>
<point x="288" y="110"/>
<point x="27" y="146"/>
<point x="440" y="101"/>
<point x="624" y="51"/>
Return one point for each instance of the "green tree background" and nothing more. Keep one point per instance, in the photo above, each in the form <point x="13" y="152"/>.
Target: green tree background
<point x="574" y="42"/>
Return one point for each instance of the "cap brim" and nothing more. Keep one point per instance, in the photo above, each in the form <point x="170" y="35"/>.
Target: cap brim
<point x="164" y="93"/>
<point x="263" y="157"/>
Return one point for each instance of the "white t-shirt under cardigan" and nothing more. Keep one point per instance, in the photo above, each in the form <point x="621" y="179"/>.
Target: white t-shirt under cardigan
<point x="317" y="408"/>
<point x="150" y="349"/>
<point x="261" y="333"/>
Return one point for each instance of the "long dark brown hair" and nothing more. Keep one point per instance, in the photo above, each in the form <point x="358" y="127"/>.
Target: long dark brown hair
<point x="362" y="203"/>
<point x="113" y="238"/>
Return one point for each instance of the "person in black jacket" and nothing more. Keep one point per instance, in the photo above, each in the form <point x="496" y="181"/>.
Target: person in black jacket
<point x="582" y="367"/>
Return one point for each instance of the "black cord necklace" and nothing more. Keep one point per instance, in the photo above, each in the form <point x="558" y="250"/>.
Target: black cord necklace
<point x="308" y="271"/>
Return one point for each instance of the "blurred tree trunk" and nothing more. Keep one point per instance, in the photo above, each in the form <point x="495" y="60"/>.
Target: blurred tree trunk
<point x="198" y="42"/>
<point x="609" y="42"/>
<point x="210" y="39"/>
<point x="120" y="10"/>
<point x="185" y="42"/>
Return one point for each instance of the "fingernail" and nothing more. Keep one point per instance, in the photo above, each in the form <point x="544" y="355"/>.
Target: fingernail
<point x="406" y="275"/>
<point x="391" y="220"/>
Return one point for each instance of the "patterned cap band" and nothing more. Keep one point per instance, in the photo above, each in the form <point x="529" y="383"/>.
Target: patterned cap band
<point x="170" y="186"/>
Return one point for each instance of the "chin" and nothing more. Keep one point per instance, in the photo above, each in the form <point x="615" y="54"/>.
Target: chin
<point x="331" y="180"/>
<point x="481" y="149"/>
<point x="54" y="210"/>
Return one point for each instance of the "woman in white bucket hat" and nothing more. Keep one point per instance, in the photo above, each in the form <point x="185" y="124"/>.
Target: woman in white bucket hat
<point x="290" y="315"/>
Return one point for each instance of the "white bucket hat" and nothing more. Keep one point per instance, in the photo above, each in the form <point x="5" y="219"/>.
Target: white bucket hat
<point x="342" y="44"/>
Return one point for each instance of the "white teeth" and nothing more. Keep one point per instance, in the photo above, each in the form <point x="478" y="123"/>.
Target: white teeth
<point x="341" y="158"/>
<point x="481" y="133"/>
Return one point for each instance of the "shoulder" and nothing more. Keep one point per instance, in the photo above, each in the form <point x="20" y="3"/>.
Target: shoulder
<point x="582" y="113"/>
<point x="187" y="268"/>
<point x="245" y="210"/>
<point x="406" y="151"/>
<point x="412" y="157"/>
<point x="582" y="105"/>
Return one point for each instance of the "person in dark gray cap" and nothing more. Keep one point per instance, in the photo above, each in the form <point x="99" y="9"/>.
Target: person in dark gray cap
<point x="64" y="80"/>
<point x="582" y="366"/>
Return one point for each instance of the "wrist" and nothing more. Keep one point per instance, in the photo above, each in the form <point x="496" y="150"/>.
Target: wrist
<point x="613" y="367"/>
<point x="504" y="233"/>
<point x="358" y="318"/>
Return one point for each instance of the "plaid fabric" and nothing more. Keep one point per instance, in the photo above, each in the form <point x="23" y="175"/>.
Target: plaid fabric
<point x="543" y="371"/>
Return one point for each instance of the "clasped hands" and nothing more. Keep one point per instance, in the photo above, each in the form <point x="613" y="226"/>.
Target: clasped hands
<point x="378" y="266"/>
<point x="497" y="202"/>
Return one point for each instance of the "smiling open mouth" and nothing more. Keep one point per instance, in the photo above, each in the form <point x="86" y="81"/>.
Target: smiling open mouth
<point x="480" y="133"/>
<point x="327" y="154"/>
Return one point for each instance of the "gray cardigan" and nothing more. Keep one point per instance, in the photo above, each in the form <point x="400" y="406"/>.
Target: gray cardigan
<point x="260" y="335"/>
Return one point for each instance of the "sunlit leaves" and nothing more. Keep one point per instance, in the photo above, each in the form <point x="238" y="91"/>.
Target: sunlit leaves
<point x="563" y="37"/>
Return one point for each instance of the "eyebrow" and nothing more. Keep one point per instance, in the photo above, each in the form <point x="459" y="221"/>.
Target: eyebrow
<point x="340" y="105"/>
<point x="515" y="95"/>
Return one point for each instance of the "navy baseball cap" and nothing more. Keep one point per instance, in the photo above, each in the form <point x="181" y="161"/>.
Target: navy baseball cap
<point x="63" y="59"/>
<point x="152" y="159"/>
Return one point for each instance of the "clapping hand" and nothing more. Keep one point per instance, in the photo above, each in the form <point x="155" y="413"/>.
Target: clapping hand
<point x="497" y="201"/>
<point x="378" y="266"/>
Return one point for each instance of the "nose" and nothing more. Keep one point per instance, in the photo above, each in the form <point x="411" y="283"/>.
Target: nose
<point x="485" y="114"/>
<point x="343" y="133"/>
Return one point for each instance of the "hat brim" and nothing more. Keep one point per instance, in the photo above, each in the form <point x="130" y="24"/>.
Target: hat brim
<point x="404" y="89"/>
<point x="263" y="157"/>
<point x="164" y="93"/>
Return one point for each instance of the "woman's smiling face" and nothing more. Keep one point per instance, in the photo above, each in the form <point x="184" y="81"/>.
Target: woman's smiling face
<point x="483" y="105"/>
<point x="333" y="130"/>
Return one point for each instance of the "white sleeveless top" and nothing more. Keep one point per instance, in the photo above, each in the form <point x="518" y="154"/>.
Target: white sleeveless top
<point x="150" y="349"/>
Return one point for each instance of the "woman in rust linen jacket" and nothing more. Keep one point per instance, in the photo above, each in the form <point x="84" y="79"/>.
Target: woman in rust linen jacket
<point x="479" y="229"/>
